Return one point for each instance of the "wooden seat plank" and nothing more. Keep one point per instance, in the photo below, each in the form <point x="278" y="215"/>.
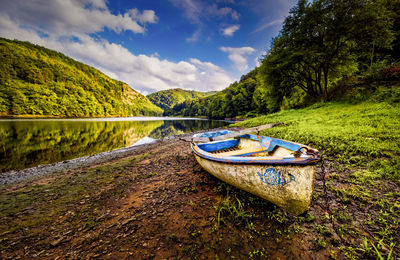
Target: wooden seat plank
<point x="239" y="152"/>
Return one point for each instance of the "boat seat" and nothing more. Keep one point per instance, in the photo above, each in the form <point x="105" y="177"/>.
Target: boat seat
<point x="243" y="152"/>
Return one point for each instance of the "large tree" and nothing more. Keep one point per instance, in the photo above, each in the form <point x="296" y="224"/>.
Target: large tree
<point x="321" y="41"/>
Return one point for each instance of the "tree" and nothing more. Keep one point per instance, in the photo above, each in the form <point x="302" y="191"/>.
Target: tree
<point x="320" y="42"/>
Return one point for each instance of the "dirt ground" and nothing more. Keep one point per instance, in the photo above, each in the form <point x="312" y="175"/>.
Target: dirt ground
<point x="158" y="203"/>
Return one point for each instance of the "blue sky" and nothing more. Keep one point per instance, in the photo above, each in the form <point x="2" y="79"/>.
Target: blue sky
<point x="153" y="44"/>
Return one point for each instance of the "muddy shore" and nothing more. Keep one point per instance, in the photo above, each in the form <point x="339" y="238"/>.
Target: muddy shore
<point x="156" y="202"/>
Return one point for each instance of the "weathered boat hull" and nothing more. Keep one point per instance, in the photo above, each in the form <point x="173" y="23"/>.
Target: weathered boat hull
<point x="288" y="186"/>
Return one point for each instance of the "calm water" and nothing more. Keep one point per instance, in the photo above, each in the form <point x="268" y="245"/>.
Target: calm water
<point x="30" y="142"/>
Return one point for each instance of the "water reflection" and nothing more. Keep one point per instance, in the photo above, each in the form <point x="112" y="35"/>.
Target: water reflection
<point x="27" y="143"/>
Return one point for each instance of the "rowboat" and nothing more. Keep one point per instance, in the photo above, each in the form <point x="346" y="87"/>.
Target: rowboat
<point x="279" y="171"/>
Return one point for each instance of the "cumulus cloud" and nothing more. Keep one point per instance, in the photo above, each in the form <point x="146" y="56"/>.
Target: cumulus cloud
<point x="147" y="16"/>
<point x="230" y="30"/>
<point x="144" y="73"/>
<point x="238" y="56"/>
<point x="83" y="16"/>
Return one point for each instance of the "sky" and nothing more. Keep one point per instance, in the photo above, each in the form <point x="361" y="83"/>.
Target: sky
<point x="153" y="45"/>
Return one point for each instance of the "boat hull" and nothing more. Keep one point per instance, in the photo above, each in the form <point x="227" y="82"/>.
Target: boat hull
<point x="288" y="186"/>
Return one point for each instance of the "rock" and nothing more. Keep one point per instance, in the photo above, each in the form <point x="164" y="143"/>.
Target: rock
<point x="57" y="241"/>
<point x="127" y="221"/>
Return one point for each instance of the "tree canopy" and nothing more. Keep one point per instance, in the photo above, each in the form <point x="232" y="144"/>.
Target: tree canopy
<point x="322" y="42"/>
<point x="166" y="99"/>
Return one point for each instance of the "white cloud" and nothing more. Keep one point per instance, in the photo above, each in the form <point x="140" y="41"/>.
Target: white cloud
<point x="74" y="16"/>
<point x="147" y="16"/>
<point x="237" y="56"/>
<point x="230" y="30"/>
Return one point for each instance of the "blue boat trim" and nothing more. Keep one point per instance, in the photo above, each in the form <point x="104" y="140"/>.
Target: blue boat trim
<point x="210" y="147"/>
<point x="203" y="150"/>
<point x="213" y="134"/>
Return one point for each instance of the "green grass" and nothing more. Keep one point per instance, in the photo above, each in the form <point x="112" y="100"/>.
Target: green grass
<point x="359" y="138"/>
<point x="365" y="136"/>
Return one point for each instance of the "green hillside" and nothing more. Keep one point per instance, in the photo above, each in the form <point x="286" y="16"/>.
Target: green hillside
<point x="166" y="99"/>
<point x="35" y="81"/>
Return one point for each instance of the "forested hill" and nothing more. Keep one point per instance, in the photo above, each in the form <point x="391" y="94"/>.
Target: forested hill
<point x="166" y="99"/>
<point x="35" y="81"/>
<point x="325" y="47"/>
<point x="239" y="99"/>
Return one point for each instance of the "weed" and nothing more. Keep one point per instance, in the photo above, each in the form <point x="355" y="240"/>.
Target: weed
<point x="232" y="210"/>
<point x="151" y="174"/>
<point x="320" y="242"/>
<point x="323" y="230"/>
<point x="258" y="254"/>
<point x="349" y="252"/>
<point x="333" y="255"/>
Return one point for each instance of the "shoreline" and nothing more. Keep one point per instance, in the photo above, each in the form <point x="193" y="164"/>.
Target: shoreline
<point x="16" y="176"/>
<point x="33" y="173"/>
<point x="110" y="118"/>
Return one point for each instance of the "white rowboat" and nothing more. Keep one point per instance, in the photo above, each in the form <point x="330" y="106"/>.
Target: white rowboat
<point x="279" y="171"/>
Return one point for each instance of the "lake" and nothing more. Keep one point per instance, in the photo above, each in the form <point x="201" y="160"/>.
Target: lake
<point x="30" y="142"/>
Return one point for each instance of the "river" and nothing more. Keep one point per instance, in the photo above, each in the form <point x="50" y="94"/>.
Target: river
<point x="30" y="142"/>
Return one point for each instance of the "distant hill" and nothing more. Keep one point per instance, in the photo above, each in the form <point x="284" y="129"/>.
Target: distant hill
<point x="35" y="81"/>
<point x="166" y="99"/>
<point x="239" y="99"/>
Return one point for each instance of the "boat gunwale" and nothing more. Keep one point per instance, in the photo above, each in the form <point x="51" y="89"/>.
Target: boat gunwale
<point x="257" y="160"/>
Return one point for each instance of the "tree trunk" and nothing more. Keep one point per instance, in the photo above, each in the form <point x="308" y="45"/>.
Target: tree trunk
<point x="372" y="58"/>
<point x="326" y="83"/>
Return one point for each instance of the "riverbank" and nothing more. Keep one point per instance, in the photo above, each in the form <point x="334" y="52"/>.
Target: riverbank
<point x="157" y="202"/>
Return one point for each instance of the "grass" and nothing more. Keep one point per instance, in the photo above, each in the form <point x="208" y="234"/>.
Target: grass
<point x="365" y="136"/>
<point x="233" y="210"/>
<point x="360" y="143"/>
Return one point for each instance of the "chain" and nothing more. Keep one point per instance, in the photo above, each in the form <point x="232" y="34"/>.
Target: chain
<point x="324" y="186"/>
<point x="327" y="207"/>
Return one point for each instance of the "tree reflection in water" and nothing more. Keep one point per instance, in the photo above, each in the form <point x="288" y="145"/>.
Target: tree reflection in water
<point x="27" y="143"/>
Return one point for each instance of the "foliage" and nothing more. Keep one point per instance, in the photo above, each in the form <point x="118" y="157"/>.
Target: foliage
<point x="239" y="99"/>
<point x="38" y="81"/>
<point x="320" y="43"/>
<point x="166" y="99"/>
